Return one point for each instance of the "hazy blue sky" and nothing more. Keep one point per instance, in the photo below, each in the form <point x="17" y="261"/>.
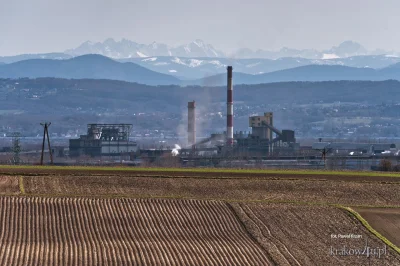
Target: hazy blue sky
<point x="32" y="26"/>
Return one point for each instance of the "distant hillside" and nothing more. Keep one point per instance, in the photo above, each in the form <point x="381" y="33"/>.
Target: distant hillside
<point x="87" y="66"/>
<point x="70" y="104"/>
<point x="307" y="73"/>
<point x="100" y="67"/>
<point x="68" y="95"/>
<point x="200" y="67"/>
<point x="16" y="58"/>
<point x="191" y="68"/>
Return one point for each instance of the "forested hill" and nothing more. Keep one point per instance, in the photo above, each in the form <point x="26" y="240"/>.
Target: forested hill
<point x="38" y="94"/>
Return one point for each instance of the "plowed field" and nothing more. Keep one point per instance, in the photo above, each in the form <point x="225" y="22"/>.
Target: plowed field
<point x="199" y="173"/>
<point x="9" y="185"/>
<point x="301" y="235"/>
<point x="385" y="220"/>
<point x="123" y="217"/>
<point x="321" y="191"/>
<point x="70" y="231"/>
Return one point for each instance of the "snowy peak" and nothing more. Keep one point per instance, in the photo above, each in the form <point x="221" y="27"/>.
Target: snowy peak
<point x="199" y="43"/>
<point x="344" y="50"/>
<point x="198" y="48"/>
<point x="348" y="48"/>
<point x="129" y="49"/>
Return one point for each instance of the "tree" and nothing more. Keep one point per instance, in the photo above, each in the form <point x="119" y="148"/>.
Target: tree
<point x="385" y="165"/>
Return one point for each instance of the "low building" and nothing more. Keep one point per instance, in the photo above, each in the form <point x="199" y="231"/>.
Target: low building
<point x="350" y="148"/>
<point x="103" y="140"/>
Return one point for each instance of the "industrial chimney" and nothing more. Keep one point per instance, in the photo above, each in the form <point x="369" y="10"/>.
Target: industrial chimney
<point x="229" y="117"/>
<point x="191" y="123"/>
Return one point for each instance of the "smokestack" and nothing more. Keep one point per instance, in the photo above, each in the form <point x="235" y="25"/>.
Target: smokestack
<point x="229" y="117"/>
<point x="191" y="123"/>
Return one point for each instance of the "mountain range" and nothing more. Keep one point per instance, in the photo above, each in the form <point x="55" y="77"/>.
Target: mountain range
<point x="197" y="59"/>
<point x="345" y="49"/>
<point x="198" y="48"/>
<point x="304" y="73"/>
<point x="129" y="49"/>
<point x="195" y="68"/>
<point x="87" y="66"/>
<point x="21" y="57"/>
<point x="186" y="68"/>
<point x="100" y="67"/>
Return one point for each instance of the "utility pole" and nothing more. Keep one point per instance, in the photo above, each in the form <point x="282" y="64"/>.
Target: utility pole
<point x="46" y="126"/>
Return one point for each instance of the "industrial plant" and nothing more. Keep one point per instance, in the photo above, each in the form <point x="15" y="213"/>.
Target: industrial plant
<point x="103" y="140"/>
<point x="112" y="140"/>
<point x="263" y="140"/>
<point x="262" y="145"/>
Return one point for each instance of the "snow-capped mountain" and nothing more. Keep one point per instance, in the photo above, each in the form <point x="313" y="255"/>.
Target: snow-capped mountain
<point x="129" y="49"/>
<point x="198" y="48"/>
<point x="191" y="68"/>
<point x="345" y="49"/>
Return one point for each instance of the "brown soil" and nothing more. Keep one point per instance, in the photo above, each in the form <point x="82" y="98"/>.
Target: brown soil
<point x="385" y="220"/>
<point x="9" y="185"/>
<point x="137" y="173"/>
<point x="136" y="231"/>
<point x="70" y="231"/>
<point x="301" y="235"/>
<point x="315" y="191"/>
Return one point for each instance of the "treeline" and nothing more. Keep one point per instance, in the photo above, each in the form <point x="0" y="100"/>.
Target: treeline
<point x="157" y="97"/>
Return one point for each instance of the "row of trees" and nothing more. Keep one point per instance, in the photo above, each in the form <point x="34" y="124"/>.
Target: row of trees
<point x="388" y="166"/>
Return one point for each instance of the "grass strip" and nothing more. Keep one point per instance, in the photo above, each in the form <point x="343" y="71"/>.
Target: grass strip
<point x="202" y="170"/>
<point x="21" y="184"/>
<point x="372" y="230"/>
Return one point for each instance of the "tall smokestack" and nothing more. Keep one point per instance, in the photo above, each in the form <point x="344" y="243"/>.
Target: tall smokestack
<point x="191" y="123"/>
<point x="229" y="117"/>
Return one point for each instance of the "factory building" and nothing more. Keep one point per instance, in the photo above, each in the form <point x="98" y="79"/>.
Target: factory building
<point x="103" y="140"/>
<point x="349" y="148"/>
<point x="259" y="128"/>
<point x="263" y="139"/>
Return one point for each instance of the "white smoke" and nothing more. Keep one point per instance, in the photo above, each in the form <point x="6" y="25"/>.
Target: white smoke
<point x="204" y="104"/>
<point x="175" y="151"/>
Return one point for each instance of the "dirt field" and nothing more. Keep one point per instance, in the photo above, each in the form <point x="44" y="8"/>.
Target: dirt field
<point x="102" y="217"/>
<point x="320" y="191"/>
<point x="9" y="185"/>
<point x="385" y="220"/>
<point x="301" y="235"/>
<point x="48" y="231"/>
<point x="132" y="172"/>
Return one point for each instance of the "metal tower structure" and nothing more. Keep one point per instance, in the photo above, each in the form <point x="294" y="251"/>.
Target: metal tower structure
<point x="46" y="126"/>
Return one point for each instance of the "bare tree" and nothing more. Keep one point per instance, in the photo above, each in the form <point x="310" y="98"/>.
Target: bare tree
<point x="385" y="165"/>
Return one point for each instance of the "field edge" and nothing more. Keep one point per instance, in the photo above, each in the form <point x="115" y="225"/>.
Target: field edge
<point x="204" y="170"/>
<point x="370" y="228"/>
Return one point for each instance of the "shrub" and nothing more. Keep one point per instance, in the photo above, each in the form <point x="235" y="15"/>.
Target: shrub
<point x="385" y="165"/>
<point x="396" y="168"/>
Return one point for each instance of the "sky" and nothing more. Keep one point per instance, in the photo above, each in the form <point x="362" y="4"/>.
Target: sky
<point x="40" y="26"/>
